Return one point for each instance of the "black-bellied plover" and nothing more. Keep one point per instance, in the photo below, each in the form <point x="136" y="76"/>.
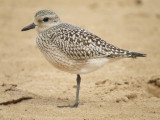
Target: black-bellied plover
<point x="73" y="49"/>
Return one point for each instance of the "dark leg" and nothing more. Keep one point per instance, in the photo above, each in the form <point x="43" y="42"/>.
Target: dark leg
<point x="77" y="93"/>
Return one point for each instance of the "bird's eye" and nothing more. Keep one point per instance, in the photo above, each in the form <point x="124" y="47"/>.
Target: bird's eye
<point x="46" y="19"/>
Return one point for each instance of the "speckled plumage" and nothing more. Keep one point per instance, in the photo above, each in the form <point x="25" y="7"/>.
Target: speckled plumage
<point x="77" y="46"/>
<point x="80" y="44"/>
<point x="71" y="48"/>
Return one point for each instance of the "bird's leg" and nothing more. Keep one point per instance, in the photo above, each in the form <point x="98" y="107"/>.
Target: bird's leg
<point x="77" y="92"/>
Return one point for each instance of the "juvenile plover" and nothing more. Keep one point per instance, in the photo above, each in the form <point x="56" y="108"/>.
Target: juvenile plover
<point x="73" y="49"/>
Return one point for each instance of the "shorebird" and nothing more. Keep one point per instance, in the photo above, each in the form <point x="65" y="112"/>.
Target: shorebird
<point x="73" y="49"/>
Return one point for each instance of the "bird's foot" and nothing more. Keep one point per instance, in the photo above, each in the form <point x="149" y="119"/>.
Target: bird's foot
<point x="71" y="106"/>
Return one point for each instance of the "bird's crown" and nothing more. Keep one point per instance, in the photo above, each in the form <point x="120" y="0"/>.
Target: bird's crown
<point x="44" y="12"/>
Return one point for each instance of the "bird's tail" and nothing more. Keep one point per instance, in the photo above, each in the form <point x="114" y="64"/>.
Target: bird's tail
<point x="135" y="54"/>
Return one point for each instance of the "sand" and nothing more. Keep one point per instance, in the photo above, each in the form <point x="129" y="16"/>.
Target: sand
<point x="128" y="89"/>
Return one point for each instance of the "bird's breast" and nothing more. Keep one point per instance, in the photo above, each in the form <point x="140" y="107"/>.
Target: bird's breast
<point x="55" y="55"/>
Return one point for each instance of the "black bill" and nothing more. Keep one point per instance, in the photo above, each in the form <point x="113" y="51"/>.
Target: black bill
<point x="31" y="26"/>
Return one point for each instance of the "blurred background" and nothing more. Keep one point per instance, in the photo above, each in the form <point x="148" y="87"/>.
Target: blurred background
<point x="133" y="84"/>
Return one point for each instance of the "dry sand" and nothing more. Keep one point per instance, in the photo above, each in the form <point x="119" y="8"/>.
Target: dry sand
<point x="31" y="89"/>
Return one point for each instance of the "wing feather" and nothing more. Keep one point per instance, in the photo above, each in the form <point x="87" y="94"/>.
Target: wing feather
<point x="78" y="43"/>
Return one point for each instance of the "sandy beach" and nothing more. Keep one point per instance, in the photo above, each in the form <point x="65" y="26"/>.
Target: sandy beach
<point x="128" y="89"/>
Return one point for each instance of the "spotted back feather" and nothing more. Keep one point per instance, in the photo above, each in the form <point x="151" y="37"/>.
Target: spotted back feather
<point x="78" y="43"/>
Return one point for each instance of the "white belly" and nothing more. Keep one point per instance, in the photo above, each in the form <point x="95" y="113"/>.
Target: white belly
<point x="92" y="65"/>
<point x="76" y="66"/>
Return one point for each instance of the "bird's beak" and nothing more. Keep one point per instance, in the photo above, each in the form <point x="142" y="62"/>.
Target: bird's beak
<point x="31" y="26"/>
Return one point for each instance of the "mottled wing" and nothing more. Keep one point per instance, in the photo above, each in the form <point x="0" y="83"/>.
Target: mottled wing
<point x="78" y="43"/>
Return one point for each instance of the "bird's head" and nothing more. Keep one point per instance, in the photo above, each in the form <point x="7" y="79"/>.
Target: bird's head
<point x="43" y="20"/>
